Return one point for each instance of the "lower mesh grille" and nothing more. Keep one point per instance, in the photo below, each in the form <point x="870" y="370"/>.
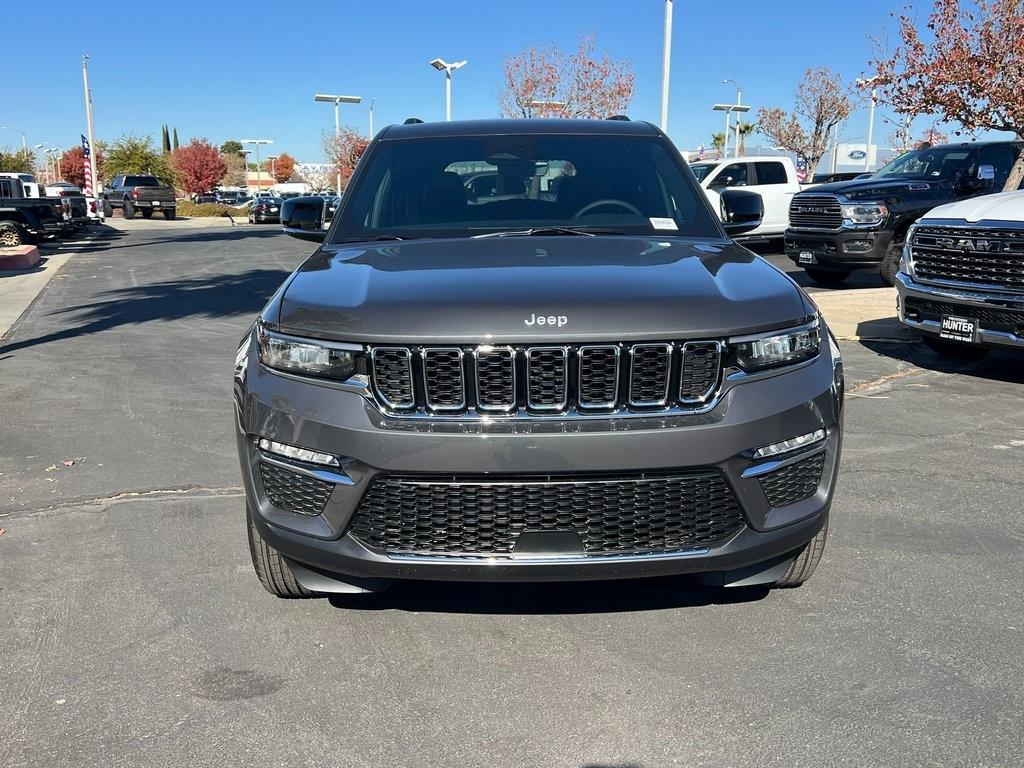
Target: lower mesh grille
<point x="294" y="491"/>
<point x="795" y="482"/>
<point x="477" y="517"/>
<point x="990" y="318"/>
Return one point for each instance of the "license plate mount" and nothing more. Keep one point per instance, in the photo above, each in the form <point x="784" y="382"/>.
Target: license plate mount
<point x="956" y="328"/>
<point x="806" y="257"/>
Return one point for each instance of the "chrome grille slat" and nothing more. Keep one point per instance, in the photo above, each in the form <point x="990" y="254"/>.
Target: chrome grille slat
<point x="547" y="378"/>
<point x="699" y="371"/>
<point x="977" y="256"/>
<point x="815" y="212"/>
<point x="650" y="369"/>
<point x="495" y="377"/>
<point x="392" y="377"/>
<point x="598" y="375"/>
<point x="444" y="381"/>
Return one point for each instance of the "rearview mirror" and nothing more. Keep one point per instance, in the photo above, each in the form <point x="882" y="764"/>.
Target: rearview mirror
<point x="741" y="211"/>
<point x="986" y="173"/>
<point x="303" y="218"/>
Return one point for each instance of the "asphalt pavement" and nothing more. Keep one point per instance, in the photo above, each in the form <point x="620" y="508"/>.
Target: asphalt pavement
<point x="134" y="633"/>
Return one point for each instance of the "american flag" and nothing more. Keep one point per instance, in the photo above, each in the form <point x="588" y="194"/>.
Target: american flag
<point x="87" y="162"/>
<point x="801" y="168"/>
<point x="700" y="152"/>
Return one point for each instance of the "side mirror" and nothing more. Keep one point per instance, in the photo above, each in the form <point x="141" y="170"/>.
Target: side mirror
<point x="303" y="218"/>
<point x="741" y="210"/>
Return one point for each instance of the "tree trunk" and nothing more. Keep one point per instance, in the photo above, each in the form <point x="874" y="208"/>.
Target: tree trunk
<point x="1016" y="174"/>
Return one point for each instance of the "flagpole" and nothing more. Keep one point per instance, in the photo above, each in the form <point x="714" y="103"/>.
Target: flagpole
<point x="88" y="123"/>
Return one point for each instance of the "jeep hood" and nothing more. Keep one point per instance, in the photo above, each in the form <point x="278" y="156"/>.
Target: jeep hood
<point x="482" y="290"/>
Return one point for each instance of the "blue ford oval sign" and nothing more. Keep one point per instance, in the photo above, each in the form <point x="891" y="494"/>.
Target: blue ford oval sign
<point x="857" y="154"/>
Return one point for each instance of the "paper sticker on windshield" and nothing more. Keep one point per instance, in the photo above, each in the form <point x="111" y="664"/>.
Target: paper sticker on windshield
<point x="659" y="223"/>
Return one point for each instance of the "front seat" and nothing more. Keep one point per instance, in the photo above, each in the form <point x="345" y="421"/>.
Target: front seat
<point x="444" y="198"/>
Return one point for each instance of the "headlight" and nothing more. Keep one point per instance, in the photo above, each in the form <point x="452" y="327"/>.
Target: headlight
<point x="306" y="357"/>
<point x="905" y="256"/>
<point x="774" y="351"/>
<point x="865" y="213"/>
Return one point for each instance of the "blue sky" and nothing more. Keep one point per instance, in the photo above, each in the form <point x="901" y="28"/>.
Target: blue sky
<point x="240" y="70"/>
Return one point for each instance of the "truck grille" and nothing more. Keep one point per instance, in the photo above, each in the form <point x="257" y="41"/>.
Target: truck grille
<point x="989" y="318"/>
<point x="477" y="517"/>
<point x="981" y="256"/>
<point x="793" y="483"/>
<point x="815" y="212"/>
<point x="510" y="380"/>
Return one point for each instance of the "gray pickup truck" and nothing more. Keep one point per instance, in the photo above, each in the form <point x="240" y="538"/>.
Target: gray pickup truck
<point x="133" y="193"/>
<point x="27" y="220"/>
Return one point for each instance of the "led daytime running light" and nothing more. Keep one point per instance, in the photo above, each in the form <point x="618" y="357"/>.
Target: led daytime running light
<point x="790" y="445"/>
<point x="298" y="454"/>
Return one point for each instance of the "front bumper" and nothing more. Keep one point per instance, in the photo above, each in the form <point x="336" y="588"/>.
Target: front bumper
<point x="1000" y="316"/>
<point x="846" y="250"/>
<point x="331" y="420"/>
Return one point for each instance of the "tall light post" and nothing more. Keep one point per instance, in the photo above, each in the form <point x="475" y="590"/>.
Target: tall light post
<point x="337" y="100"/>
<point x="24" y="141"/>
<point x="273" y="166"/>
<point x="443" y="66"/>
<point x="245" y="168"/>
<point x="372" y="102"/>
<point x="259" y="173"/>
<point x="864" y="83"/>
<point x="666" y="56"/>
<point x="727" y="115"/>
<point x="729" y="109"/>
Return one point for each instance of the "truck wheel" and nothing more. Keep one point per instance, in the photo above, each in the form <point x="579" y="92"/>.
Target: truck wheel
<point x="169" y="214"/>
<point x="273" y="571"/>
<point x="129" y="210"/>
<point x="826" y="276"/>
<point x="954" y="349"/>
<point x="108" y="210"/>
<point x="805" y="563"/>
<point x="891" y="261"/>
<point x="11" y="236"/>
<point x="147" y="213"/>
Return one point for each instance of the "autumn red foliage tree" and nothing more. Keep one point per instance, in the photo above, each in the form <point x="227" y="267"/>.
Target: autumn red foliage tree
<point x="200" y="166"/>
<point x="72" y="165"/>
<point x="547" y="82"/>
<point x="282" y="167"/>
<point x="965" y="65"/>
<point x="822" y="104"/>
<point x="344" y="150"/>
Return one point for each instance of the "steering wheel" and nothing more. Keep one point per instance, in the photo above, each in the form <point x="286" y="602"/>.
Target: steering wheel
<point x="608" y="201"/>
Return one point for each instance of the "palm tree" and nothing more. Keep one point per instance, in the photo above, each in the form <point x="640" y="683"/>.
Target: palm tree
<point x="742" y="131"/>
<point x="718" y="142"/>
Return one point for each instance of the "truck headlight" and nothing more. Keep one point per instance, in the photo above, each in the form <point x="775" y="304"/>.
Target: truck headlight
<point x="777" y="350"/>
<point x="865" y="213"/>
<point x="905" y="255"/>
<point x="307" y="357"/>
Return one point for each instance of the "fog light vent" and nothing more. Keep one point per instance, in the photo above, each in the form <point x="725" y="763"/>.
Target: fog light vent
<point x="293" y="491"/>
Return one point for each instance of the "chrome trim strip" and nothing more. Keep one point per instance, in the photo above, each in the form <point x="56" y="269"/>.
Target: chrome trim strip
<point x="547" y="560"/>
<point x="770" y="465"/>
<point x="561" y="406"/>
<point x="487" y="349"/>
<point x="983" y="297"/>
<point x="987" y="337"/>
<point x="412" y="381"/>
<point x="579" y="375"/>
<point x="328" y="476"/>
<point x="425" y="352"/>
<point x="309" y="340"/>
<point x="718" y="374"/>
<point x="632" y="366"/>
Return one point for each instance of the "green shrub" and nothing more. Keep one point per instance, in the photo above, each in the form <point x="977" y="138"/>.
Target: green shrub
<point x="188" y="208"/>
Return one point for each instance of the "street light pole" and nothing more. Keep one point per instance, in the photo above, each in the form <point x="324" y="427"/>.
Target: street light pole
<point x="443" y="66"/>
<point x="374" y="99"/>
<point x="259" y="173"/>
<point x="727" y="116"/>
<point x="337" y="100"/>
<point x="273" y="166"/>
<point x="666" y="56"/>
<point x="245" y="168"/>
<point x="864" y="82"/>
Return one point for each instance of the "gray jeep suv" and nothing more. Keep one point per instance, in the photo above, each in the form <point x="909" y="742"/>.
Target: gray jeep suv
<point x="527" y="350"/>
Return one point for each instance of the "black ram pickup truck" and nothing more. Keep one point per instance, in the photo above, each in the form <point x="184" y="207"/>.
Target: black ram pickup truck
<point x="133" y="193"/>
<point x="27" y="220"/>
<point x="837" y="229"/>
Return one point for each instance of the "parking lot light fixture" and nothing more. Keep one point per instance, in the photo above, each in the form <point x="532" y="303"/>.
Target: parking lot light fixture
<point x="739" y="100"/>
<point x="259" y="174"/>
<point x="443" y="66"/>
<point x="336" y="100"/>
<point x="273" y="166"/>
<point x="871" y="82"/>
<point x="729" y="109"/>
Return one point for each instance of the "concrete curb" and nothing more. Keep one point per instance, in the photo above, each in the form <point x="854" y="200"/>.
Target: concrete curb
<point x="863" y="314"/>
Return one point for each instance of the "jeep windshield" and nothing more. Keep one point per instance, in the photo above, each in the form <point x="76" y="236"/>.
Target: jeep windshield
<point x="523" y="184"/>
<point x="932" y="163"/>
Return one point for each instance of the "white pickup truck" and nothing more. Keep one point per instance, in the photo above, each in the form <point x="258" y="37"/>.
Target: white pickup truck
<point x="961" y="278"/>
<point x="774" y="178"/>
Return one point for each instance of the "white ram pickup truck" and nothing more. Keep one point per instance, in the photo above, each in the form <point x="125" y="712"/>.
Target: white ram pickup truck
<point x="774" y="178"/>
<point x="961" y="276"/>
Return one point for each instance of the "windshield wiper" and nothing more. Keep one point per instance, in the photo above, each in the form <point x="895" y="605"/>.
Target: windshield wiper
<point x="545" y="231"/>
<point x="369" y="239"/>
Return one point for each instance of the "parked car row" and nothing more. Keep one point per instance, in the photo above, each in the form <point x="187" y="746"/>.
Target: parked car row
<point x="30" y="213"/>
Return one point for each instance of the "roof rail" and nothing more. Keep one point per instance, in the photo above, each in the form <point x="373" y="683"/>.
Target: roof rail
<point x="412" y="121"/>
<point x="618" y="117"/>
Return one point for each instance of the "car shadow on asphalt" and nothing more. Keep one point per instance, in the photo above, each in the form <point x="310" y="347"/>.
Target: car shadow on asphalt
<point x="196" y="236"/>
<point x="548" y="598"/>
<point x="216" y="296"/>
<point x="997" y="365"/>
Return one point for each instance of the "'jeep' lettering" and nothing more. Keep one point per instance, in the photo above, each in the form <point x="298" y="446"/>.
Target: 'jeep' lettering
<point x="556" y="320"/>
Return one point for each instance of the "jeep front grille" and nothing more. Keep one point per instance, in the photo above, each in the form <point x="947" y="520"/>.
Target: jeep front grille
<point x="815" y="212"/>
<point x="981" y="256"/>
<point x="476" y="517"/>
<point x="546" y="380"/>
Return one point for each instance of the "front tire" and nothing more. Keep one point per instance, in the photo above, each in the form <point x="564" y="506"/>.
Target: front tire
<point x="806" y="561"/>
<point x="891" y="262"/>
<point x="826" y="276"/>
<point x="953" y="348"/>
<point x="11" y="236"/>
<point x="169" y="214"/>
<point x="272" y="569"/>
<point x="128" y="210"/>
<point x="147" y="213"/>
<point x="108" y="210"/>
